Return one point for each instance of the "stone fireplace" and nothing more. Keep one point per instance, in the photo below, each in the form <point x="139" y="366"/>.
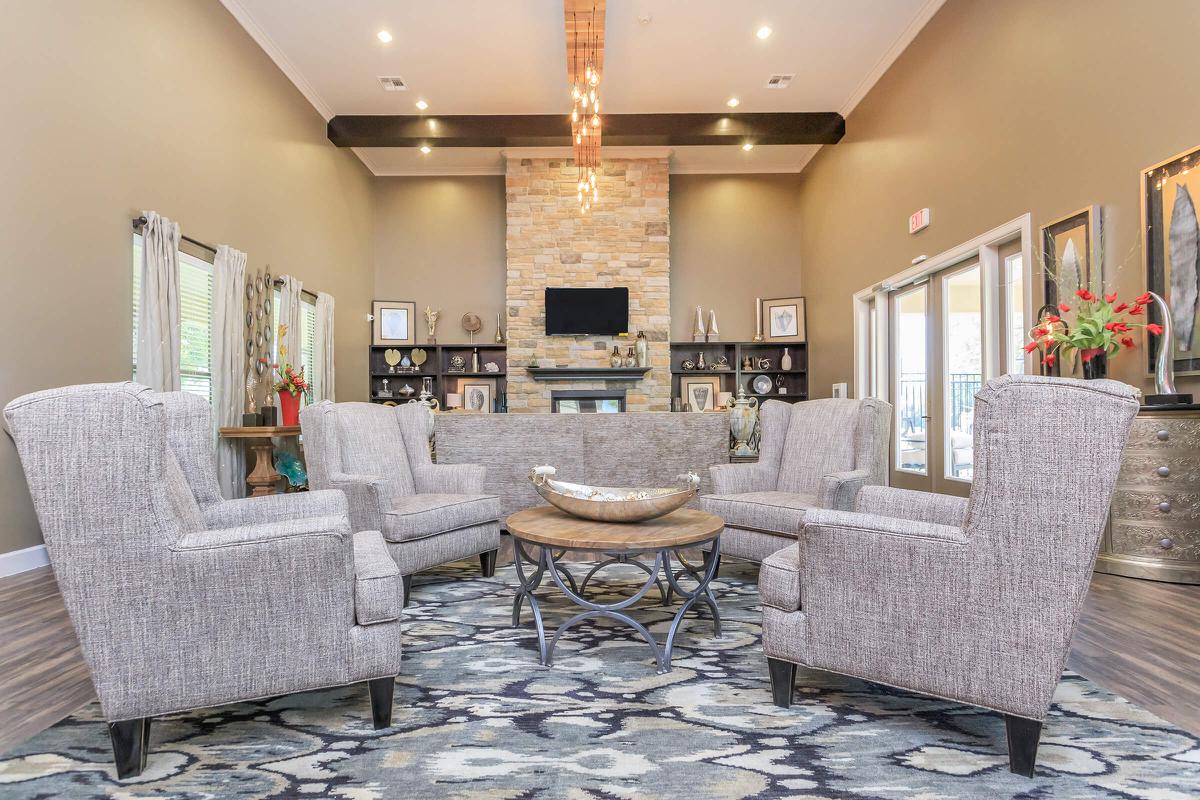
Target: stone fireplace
<point x="623" y="241"/>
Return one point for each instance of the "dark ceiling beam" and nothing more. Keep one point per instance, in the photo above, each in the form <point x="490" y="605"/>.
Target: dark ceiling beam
<point x="554" y="130"/>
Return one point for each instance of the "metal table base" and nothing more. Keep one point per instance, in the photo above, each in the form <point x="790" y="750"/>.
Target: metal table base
<point x="546" y="562"/>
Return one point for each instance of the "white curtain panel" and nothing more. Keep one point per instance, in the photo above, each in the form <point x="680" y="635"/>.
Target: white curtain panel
<point x="158" y="306"/>
<point x="290" y="316"/>
<point x="228" y="363"/>
<point x="322" y="371"/>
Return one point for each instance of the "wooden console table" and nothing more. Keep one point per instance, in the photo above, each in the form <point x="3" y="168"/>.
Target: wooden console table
<point x="263" y="477"/>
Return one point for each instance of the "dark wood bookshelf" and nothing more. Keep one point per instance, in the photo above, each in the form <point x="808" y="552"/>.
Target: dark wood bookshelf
<point x="437" y="368"/>
<point x="794" y="380"/>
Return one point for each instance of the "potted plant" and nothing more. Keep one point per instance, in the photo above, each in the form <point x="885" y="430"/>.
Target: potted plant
<point x="1103" y="327"/>
<point x="290" y="385"/>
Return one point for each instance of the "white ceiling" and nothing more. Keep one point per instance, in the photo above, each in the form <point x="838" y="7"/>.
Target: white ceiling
<point x="493" y="57"/>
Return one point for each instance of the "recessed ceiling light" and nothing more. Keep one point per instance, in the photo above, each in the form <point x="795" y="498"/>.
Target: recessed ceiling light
<point x="763" y="32"/>
<point x="384" y="36"/>
<point x="421" y="104"/>
<point x="748" y="146"/>
<point x="732" y="102"/>
<point x="426" y="149"/>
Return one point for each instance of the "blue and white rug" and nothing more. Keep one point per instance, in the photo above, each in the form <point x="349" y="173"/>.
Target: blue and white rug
<point x="477" y="717"/>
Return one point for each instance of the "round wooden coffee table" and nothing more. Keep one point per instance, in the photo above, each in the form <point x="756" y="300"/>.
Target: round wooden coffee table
<point x="548" y="533"/>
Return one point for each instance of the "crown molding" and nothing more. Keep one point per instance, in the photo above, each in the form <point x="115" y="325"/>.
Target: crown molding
<point x="246" y="20"/>
<point x="605" y="152"/>
<point x="923" y="15"/>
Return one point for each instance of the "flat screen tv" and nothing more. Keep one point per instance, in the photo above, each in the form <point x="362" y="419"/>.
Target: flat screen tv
<point x="587" y="312"/>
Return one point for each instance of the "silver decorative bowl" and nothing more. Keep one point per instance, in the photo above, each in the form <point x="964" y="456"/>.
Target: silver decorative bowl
<point x="609" y="504"/>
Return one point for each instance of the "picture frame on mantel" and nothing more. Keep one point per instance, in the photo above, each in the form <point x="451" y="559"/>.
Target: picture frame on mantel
<point x="1071" y="255"/>
<point x="1171" y="254"/>
<point x="784" y="320"/>
<point x="395" y="323"/>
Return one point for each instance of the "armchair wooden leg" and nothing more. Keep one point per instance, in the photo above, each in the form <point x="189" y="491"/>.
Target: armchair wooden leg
<point x="407" y="579"/>
<point x="382" y="691"/>
<point x="487" y="563"/>
<point x="131" y="744"/>
<point x="1023" y="737"/>
<point x="783" y="680"/>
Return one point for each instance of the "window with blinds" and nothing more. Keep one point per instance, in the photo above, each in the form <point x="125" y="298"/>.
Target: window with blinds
<point x="308" y="337"/>
<point x="195" y="317"/>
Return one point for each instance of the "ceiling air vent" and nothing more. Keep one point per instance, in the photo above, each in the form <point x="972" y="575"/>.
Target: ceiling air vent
<point x="393" y="83"/>
<point x="780" y="81"/>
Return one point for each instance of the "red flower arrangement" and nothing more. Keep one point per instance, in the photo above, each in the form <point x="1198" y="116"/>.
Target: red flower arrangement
<point x="1102" y="327"/>
<point x="292" y="382"/>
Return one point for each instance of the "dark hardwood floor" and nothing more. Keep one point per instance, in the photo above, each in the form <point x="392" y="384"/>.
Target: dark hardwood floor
<point x="1139" y="639"/>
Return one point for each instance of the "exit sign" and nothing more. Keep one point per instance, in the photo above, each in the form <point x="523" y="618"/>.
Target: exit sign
<point x="918" y="221"/>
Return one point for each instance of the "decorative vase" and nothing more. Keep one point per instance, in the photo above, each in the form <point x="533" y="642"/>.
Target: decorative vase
<point x="289" y="408"/>
<point x="698" y="334"/>
<point x="615" y="359"/>
<point x="785" y="363"/>
<point x="499" y="331"/>
<point x="475" y="360"/>
<point x="714" y="335"/>
<point x="743" y="418"/>
<point x="700" y="364"/>
<point x="643" y="350"/>
<point x="630" y="357"/>
<point x="1095" y="363"/>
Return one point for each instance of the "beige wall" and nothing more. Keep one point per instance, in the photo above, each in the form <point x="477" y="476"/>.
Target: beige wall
<point x="733" y="238"/>
<point x="994" y="110"/>
<point x="440" y="242"/>
<point x="119" y="106"/>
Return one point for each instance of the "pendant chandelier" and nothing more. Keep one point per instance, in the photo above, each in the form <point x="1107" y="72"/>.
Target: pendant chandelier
<point x="585" y="111"/>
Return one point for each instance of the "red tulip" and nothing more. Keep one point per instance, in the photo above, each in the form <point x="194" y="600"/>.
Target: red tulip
<point x="1048" y="360"/>
<point x="1052" y="318"/>
<point x="1127" y="341"/>
<point x="1108" y="298"/>
<point x="1155" y="329"/>
<point x="1144" y="300"/>
<point x="1029" y="348"/>
<point x="1063" y="307"/>
<point x="1136" y="311"/>
<point x="1121" y="307"/>
<point x="1037" y="332"/>
<point x="1085" y="295"/>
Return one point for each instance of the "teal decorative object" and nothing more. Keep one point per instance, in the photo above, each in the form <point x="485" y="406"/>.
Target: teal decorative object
<point x="291" y="468"/>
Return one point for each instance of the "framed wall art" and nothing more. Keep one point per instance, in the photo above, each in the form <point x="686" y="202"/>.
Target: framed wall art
<point x="700" y="391"/>
<point x="783" y="319"/>
<point x="477" y="396"/>
<point x="1171" y="251"/>
<point x="1071" y="255"/>
<point x="395" y="322"/>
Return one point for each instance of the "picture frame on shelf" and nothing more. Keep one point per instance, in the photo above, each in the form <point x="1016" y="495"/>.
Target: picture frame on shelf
<point x="394" y="322"/>
<point x="477" y="396"/>
<point x="700" y="391"/>
<point x="1071" y="255"/>
<point x="784" y="319"/>
<point x="1170" y="191"/>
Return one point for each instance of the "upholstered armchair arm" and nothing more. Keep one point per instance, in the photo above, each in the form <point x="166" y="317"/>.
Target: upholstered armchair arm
<point x="449" y="478"/>
<point x="275" y="508"/>
<point x="282" y="531"/>
<point x="938" y="509"/>
<point x="838" y="490"/>
<point x="741" y="478"/>
<point x="364" y="498"/>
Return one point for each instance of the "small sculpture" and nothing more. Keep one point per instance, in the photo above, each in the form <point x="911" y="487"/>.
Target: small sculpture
<point x="251" y="389"/>
<point x="499" y="332"/>
<point x="643" y="350"/>
<point x="471" y="323"/>
<point x="457" y="364"/>
<point x="392" y="357"/>
<point x="700" y="363"/>
<point x="743" y="419"/>
<point x="290" y="467"/>
<point x="714" y="335"/>
<point x="698" y="334"/>
<point x="431" y="318"/>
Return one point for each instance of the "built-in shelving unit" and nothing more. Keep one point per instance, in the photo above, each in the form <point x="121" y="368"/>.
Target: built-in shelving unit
<point x="786" y="385"/>
<point x="437" y="368"/>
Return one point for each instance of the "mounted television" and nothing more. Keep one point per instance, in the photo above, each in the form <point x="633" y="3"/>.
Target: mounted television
<point x="587" y="312"/>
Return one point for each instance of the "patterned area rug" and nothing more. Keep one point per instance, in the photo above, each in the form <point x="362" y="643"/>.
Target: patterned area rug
<point x="477" y="717"/>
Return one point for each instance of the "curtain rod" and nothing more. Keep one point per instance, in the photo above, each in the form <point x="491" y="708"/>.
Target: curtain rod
<point x="313" y="295"/>
<point x="140" y="222"/>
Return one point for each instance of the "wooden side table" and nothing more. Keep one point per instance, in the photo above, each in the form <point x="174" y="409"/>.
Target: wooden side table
<point x="263" y="477"/>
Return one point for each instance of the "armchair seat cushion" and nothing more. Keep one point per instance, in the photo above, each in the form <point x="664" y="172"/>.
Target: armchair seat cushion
<point x="780" y="513"/>
<point x="416" y="516"/>
<point x="378" y="587"/>
<point x="779" y="579"/>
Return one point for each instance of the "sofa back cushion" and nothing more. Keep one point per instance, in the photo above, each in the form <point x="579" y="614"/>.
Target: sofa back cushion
<point x="819" y="441"/>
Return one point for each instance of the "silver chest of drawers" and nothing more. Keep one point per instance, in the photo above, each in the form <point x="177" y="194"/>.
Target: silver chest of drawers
<point x="1154" y="522"/>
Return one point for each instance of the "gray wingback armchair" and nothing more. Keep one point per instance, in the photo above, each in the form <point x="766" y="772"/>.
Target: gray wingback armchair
<point x="972" y="600"/>
<point x="378" y="455"/>
<point x="174" y="613"/>
<point x="815" y="454"/>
